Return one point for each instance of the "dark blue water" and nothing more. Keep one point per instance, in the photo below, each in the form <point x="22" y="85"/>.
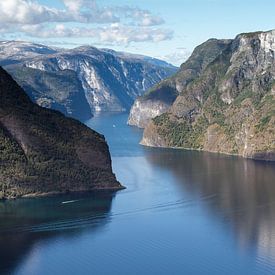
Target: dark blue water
<point x="183" y="212"/>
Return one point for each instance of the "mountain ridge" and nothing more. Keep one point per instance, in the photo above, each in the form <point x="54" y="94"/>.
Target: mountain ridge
<point x="160" y="97"/>
<point x="44" y="152"/>
<point x="228" y="108"/>
<point x="109" y="80"/>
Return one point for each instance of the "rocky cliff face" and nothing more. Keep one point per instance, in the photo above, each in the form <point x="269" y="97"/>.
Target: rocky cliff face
<point x="83" y="80"/>
<point x="229" y="107"/>
<point x="43" y="152"/>
<point x="143" y="111"/>
<point x="157" y="100"/>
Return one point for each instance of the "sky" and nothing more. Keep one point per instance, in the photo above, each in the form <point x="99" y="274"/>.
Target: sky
<point x="165" y="29"/>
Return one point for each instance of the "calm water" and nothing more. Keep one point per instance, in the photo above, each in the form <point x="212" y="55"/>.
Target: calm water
<point x="182" y="213"/>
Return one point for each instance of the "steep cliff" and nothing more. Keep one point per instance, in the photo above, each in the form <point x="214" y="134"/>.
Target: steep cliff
<point x="158" y="99"/>
<point x="83" y="80"/>
<point x="43" y="152"/>
<point x="229" y="107"/>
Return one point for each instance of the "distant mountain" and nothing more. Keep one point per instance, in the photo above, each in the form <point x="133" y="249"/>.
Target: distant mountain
<point x="227" y="106"/>
<point x="83" y="80"/>
<point x="43" y="152"/>
<point x="139" y="57"/>
<point x="14" y="51"/>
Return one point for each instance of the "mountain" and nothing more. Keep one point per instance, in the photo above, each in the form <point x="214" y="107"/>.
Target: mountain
<point x="81" y="81"/>
<point x="229" y="107"/>
<point x="44" y="152"/>
<point x="158" y="99"/>
<point x="13" y="51"/>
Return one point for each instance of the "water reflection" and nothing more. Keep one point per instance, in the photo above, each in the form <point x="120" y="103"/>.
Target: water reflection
<point x="26" y="222"/>
<point x="242" y="192"/>
<point x="159" y="225"/>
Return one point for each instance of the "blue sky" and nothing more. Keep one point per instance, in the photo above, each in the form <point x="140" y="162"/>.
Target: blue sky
<point x="167" y="29"/>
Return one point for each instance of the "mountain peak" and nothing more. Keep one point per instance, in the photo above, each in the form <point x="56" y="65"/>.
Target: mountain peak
<point x="43" y="152"/>
<point x="83" y="80"/>
<point x="228" y="107"/>
<point x="10" y="92"/>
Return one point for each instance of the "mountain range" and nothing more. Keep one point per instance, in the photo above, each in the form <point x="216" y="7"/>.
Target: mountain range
<point x="83" y="80"/>
<point x="221" y="100"/>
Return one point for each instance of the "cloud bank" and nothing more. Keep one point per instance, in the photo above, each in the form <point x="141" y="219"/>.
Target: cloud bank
<point x="82" y="18"/>
<point x="179" y="56"/>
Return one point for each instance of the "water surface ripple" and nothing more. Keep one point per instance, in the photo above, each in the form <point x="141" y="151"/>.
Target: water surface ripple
<point x="183" y="212"/>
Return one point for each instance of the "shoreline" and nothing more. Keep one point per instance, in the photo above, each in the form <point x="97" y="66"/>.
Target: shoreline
<point x="213" y="152"/>
<point x="60" y="193"/>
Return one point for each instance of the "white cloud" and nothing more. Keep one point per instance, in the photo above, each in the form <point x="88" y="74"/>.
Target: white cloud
<point x="77" y="18"/>
<point x="31" y="12"/>
<point x="73" y="5"/>
<point x="143" y="17"/>
<point x="27" y="12"/>
<point x="81" y="11"/>
<point x="112" y="34"/>
<point x="149" y="20"/>
<point x="177" y="57"/>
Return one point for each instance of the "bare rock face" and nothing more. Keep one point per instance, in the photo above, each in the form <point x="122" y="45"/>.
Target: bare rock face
<point x="228" y="108"/>
<point x="158" y="99"/>
<point x="84" y="80"/>
<point x="44" y="152"/>
<point x="144" y="110"/>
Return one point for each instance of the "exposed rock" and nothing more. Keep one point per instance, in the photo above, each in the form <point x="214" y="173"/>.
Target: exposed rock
<point x="157" y="100"/>
<point x="84" y="80"/>
<point x="228" y="108"/>
<point x="144" y="110"/>
<point x="43" y="152"/>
